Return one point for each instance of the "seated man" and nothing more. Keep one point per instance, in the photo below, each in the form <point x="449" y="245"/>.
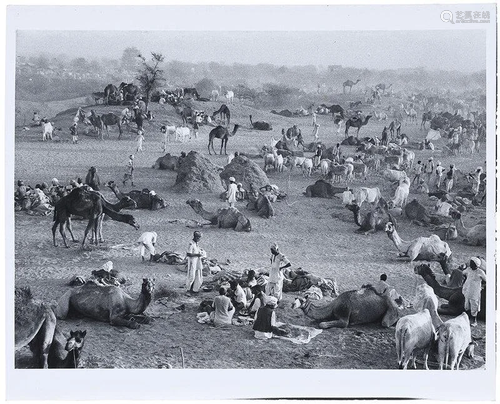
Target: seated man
<point x="265" y="319"/>
<point x="239" y="299"/>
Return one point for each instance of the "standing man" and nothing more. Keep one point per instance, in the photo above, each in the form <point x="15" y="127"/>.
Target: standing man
<point x="439" y="172"/>
<point x="139" y="139"/>
<point x="73" y="130"/>
<point x="194" y="255"/>
<point x="232" y="190"/>
<point x="472" y="288"/>
<point x="418" y="172"/>
<point x="129" y="174"/>
<point x="147" y="242"/>
<point x="279" y="262"/>
<point x="429" y="169"/>
<point x="450" y="175"/>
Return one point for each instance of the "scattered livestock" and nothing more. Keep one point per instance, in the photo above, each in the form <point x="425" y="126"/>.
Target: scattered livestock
<point x="260" y="125"/>
<point x="455" y="340"/>
<point x="224" y="113"/>
<point x="220" y="132"/>
<point x="47" y="130"/>
<point x="360" y="195"/>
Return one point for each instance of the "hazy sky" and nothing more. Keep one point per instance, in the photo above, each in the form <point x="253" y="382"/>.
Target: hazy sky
<point x="445" y="50"/>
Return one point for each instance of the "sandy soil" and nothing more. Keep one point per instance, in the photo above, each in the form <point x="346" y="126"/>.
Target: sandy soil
<point x="315" y="234"/>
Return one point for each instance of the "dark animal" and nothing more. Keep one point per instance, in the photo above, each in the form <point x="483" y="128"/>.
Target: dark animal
<point x="167" y="162"/>
<point x="110" y="93"/>
<point x="454" y="296"/>
<point x="192" y="92"/>
<point x="65" y="352"/>
<point x="336" y="109"/>
<point x="111" y="119"/>
<point x="129" y="91"/>
<point x="355" y="122"/>
<point x="260" y="125"/>
<point x="323" y="189"/>
<point x="220" y="132"/>
<point x="374" y="220"/>
<point x="144" y="199"/>
<point x="224" y="114"/>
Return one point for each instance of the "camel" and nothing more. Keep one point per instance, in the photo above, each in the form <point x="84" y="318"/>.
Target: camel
<point x="349" y="83"/>
<point x="220" y="132"/>
<point x="354" y="307"/>
<point x="106" y="303"/>
<point x="226" y="218"/>
<point x="65" y="352"/>
<point x="374" y="220"/>
<point x="323" y="189"/>
<point x="430" y="248"/>
<point x="382" y="87"/>
<point x="454" y="295"/>
<point x="355" y="122"/>
<point x="261" y="204"/>
<point x="111" y="119"/>
<point x="35" y="324"/>
<point x="110" y="93"/>
<point x="129" y="91"/>
<point x="419" y="215"/>
<point x="475" y="235"/>
<point x="336" y="109"/>
<point x="426" y="117"/>
<point x="224" y="113"/>
<point x="90" y="205"/>
<point x="144" y="199"/>
<point x="260" y="125"/>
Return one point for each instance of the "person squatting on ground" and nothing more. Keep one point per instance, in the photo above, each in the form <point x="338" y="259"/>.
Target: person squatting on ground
<point x="194" y="255"/>
<point x="472" y="288"/>
<point x="129" y="173"/>
<point x="265" y="320"/>
<point x="279" y="262"/>
<point x="147" y="242"/>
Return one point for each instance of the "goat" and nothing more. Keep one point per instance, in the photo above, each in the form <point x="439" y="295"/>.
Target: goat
<point x="167" y="131"/>
<point x="278" y="162"/>
<point x="324" y="166"/>
<point x="181" y="133"/>
<point x="307" y="167"/>
<point x="454" y="341"/>
<point x="269" y="160"/>
<point x="414" y="331"/>
<point x="47" y="130"/>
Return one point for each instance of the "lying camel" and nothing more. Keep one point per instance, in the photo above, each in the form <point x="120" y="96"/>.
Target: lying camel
<point x="323" y="189"/>
<point x="106" y="303"/>
<point x="226" y="218"/>
<point x="261" y="204"/>
<point x="419" y="215"/>
<point x="475" y="235"/>
<point x="354" y="307"/>
<point x="454" y="295"/>
<point x="374" y="220"/>
<point x="35" y="324"/>
<point x="430" y="248"/>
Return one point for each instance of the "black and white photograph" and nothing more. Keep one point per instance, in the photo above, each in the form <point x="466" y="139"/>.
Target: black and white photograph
<point x="247" y="191"/>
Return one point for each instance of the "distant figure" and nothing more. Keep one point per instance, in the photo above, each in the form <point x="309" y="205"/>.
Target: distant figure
<point x="231" y="192"/>
<point x="139" y="139"/>
<point x="315" y="132"/>
<point x="73" y="130"/>
<point x="92" y="179"/>
<point x="36" y="119"/>
<point x="194" y="255"/>
<point x="313" y="119"/>
<point x="129" y="174"/>
<point x="381" y="286"/>
<point x="439" y="173"/>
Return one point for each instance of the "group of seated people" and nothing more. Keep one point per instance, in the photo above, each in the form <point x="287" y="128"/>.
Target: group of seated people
<point x="40" y="199"/>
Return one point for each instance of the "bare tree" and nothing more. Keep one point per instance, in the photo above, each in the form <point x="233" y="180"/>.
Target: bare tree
<point x="150" y="76"/>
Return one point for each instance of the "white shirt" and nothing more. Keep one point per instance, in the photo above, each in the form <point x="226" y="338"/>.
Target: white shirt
<point x="231" y="192"/>
<point x="148" y="237"/>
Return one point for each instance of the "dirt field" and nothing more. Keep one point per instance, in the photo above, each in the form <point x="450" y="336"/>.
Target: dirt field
<point x="317" y="235"/>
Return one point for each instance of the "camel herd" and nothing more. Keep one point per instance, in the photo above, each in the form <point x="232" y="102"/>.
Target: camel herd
<point x="37" y="321"/>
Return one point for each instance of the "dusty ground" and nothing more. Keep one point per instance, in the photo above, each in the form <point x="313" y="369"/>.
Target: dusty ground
<point x="315" y="234"/>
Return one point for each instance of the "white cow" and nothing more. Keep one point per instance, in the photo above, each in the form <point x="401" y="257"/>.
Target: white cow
<point x="414" y="331"/>
<point x="230" y="97"/>
<point x="307" y="167"/>
<point x="47" y="131"/>
<point x="324" y="166"/>
<point x="401" y="195"/>
<point x="455" y="340"/>
<point x="278" y="162"/>
<point x="363" y="194"/>
<point x="182" y="133"/>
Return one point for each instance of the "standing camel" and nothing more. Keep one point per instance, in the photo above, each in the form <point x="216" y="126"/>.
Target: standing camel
<point x="89" y="205"/>
<point x="220" y="132"/>
<point x="224" y="113"/>
<point x="349" y="83"/>
<point x="111" y="119"/>
<point x="355" y="122"/>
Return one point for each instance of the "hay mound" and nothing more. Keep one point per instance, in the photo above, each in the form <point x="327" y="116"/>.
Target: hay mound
<point x="198" y="174"/>
<point x="245" y="171"/>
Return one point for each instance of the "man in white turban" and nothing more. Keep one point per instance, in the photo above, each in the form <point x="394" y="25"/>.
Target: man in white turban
<point x="279" y="262"/>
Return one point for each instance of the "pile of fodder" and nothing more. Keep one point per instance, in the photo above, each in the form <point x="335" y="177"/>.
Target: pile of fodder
<point x="245" y="171"/>
<point x="197" y="174"/>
